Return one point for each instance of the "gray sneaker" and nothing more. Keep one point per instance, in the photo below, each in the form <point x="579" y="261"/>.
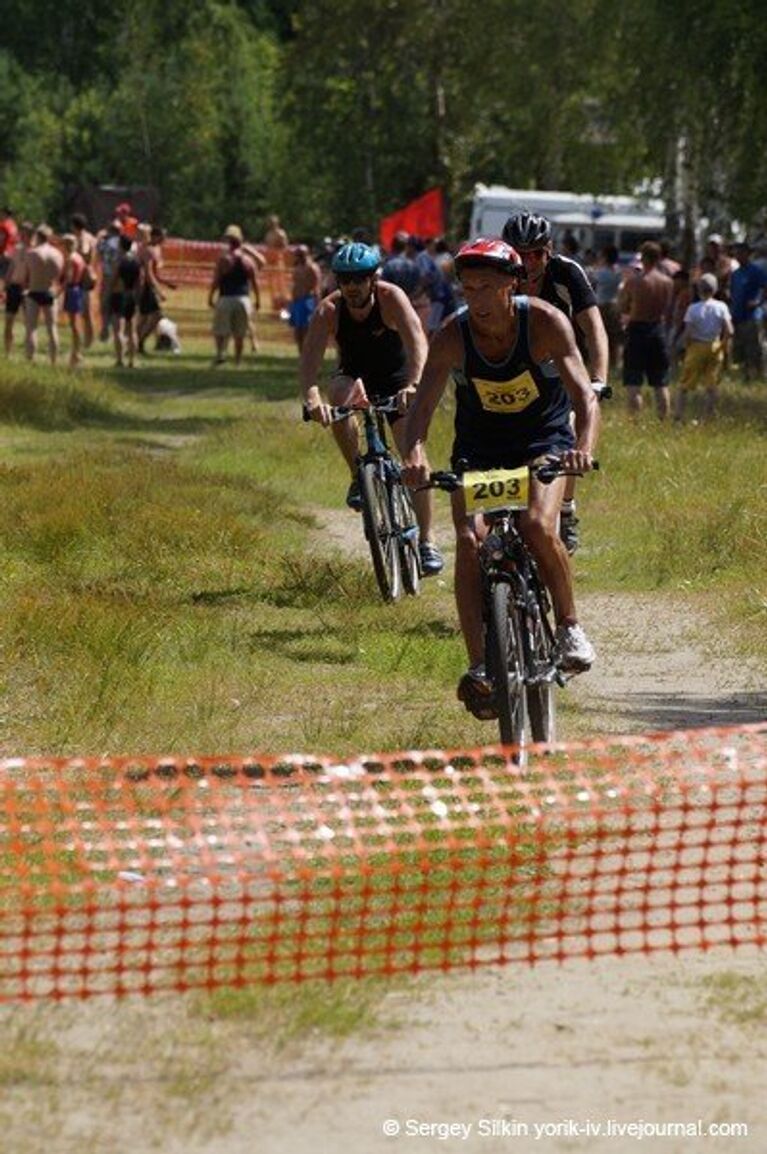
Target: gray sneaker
<point x="568" y="531"/>
<point x="573" y="651"/>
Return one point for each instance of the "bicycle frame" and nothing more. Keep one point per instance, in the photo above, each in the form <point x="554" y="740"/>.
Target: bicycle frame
<point x="504" y="557"/>
<point x="391" y="529"/>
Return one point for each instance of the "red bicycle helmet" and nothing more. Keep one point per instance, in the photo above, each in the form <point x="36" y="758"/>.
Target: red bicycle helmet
<point x="489" y="252"/>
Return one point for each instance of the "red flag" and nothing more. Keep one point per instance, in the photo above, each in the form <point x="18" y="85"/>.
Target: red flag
<point x="423" y="217"/>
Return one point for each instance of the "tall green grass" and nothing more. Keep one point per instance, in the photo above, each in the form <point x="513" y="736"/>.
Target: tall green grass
<point x="170" y="589"/>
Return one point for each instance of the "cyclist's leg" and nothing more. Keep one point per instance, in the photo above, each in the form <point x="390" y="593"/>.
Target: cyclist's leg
<point x="423" y="502"/>
<point x="538" y="526"/>
<point x="468" y="584"/>
<point x="343" y="390"/>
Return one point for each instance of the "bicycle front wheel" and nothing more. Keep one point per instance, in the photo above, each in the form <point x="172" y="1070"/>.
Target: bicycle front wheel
<point x="505" y="664"/>
<point x="541" y="695"/>
<point x="379" y="531"/>
<point x="407" y="536"/>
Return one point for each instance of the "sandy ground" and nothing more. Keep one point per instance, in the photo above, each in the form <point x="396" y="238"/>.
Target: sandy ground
<point x="633" y="1040"/>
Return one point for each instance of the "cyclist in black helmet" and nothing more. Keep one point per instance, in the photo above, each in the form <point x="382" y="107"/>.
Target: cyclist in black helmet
<point x="562" y="282"/>
<point x="382" y="351"/>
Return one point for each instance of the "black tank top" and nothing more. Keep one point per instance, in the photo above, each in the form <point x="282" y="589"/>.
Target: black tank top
<point x="128" y="272"/>
<point x="509" y="411"/>
<point x="371" y="351"/>
<point x="234" y="282"/>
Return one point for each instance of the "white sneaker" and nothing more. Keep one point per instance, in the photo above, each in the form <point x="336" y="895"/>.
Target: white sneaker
<point x="573" y="651"/>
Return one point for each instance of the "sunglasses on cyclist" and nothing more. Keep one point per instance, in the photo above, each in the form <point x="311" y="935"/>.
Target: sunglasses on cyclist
<point x="353" y="277"/>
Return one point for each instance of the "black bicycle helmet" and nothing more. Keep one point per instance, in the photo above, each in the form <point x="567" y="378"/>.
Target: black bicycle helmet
<point x="525" y="231"/>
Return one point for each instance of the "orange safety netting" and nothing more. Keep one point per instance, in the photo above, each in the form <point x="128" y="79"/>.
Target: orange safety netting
<point x="128" y="875"/>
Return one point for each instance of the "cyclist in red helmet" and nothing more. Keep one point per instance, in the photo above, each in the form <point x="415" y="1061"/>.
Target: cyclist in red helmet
<point x="511" y="409"/>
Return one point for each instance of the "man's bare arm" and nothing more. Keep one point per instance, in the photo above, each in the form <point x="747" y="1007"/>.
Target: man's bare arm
<point x="592" y="326"/>
<point x="552" y="336"/>
<point x="398" y="313"/>
<point x="445" y="354"/>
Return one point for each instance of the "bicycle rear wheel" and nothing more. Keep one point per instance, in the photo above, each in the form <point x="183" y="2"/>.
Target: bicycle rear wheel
<point x="379" y="531"/>
<point x="407" y="535"/>
<point x="541" y="695"/>
<point x="505" y="664"/>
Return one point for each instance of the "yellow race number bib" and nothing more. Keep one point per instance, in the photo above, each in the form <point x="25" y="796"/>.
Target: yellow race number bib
<point x="507" y="396"/>
<point x="496" y="489"/>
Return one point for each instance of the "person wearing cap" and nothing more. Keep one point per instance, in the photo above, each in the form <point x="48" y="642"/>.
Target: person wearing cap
<point x="722" y="264"/>
<point x="707" y="332"/>
<point x="510" y="412"/>
<point x="234" y="280"/>
<point x="128" y="222"/>
<point x="748" y="290"/>
<point x="45" y="267"/>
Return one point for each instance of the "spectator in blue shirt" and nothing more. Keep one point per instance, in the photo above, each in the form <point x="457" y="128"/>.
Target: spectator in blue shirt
<point x="748" y="286"/>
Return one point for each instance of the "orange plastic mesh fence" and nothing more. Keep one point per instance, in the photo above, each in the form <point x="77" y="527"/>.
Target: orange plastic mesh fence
<point x="139" y="875"/>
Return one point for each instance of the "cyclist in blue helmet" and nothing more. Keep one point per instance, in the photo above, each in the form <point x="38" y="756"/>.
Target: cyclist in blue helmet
<point x="382" y="351"/>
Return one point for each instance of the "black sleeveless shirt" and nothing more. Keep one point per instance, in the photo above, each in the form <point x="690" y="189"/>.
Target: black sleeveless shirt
<point x="508" y="412"/>
<point x="234" y="282"/>
<point x="371" y="351"/>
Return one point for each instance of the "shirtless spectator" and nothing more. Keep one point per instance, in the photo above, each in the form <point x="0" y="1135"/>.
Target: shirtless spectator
<point x="45" y="267"/>
<point x="72" y="291"/>
<point x="234" y="279"/>
<point x="86" y="246"/>
<point x="153" y="281"/>
<point x="276" y="241"/>
<point x="275" y="236"/>
<point x="306" y="292"/>
<point x="107" y="256"/>
<point x="9" y="234"/>
<point x="646" y="298"/>
<point x="16" y="281"/>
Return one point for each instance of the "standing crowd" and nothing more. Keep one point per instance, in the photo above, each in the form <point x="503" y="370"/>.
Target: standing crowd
<point x="113" y="278"/>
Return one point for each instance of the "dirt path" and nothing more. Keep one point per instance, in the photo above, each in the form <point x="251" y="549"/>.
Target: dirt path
<point x="661" y="1040"/>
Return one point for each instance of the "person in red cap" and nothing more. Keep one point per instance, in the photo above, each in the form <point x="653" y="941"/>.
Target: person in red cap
<point x="128" y="222"/>
<point x="511" y="409"/>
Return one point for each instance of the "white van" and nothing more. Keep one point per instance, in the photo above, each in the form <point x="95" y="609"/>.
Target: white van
<point x="624" y="221"/>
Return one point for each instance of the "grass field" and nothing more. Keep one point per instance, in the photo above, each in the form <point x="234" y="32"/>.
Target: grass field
<point x="165" y="587"/>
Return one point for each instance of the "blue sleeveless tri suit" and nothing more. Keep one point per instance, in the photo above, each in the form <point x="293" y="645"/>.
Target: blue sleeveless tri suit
<point x="508" y="412"/>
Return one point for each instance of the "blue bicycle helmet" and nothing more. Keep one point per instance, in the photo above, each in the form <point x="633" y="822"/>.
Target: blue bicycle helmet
<point x="356" y="257"/>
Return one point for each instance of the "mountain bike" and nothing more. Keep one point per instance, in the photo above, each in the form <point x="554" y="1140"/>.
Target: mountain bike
<point x="388" y="517"/>
<point x="516" y="608"/>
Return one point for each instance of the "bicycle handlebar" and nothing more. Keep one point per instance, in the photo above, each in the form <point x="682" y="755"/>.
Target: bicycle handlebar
<point x="546" y="472"/>
<point x="343" y="412"/>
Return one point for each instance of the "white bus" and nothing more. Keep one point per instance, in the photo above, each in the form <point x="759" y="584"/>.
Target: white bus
<point x="624" y="221"/>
